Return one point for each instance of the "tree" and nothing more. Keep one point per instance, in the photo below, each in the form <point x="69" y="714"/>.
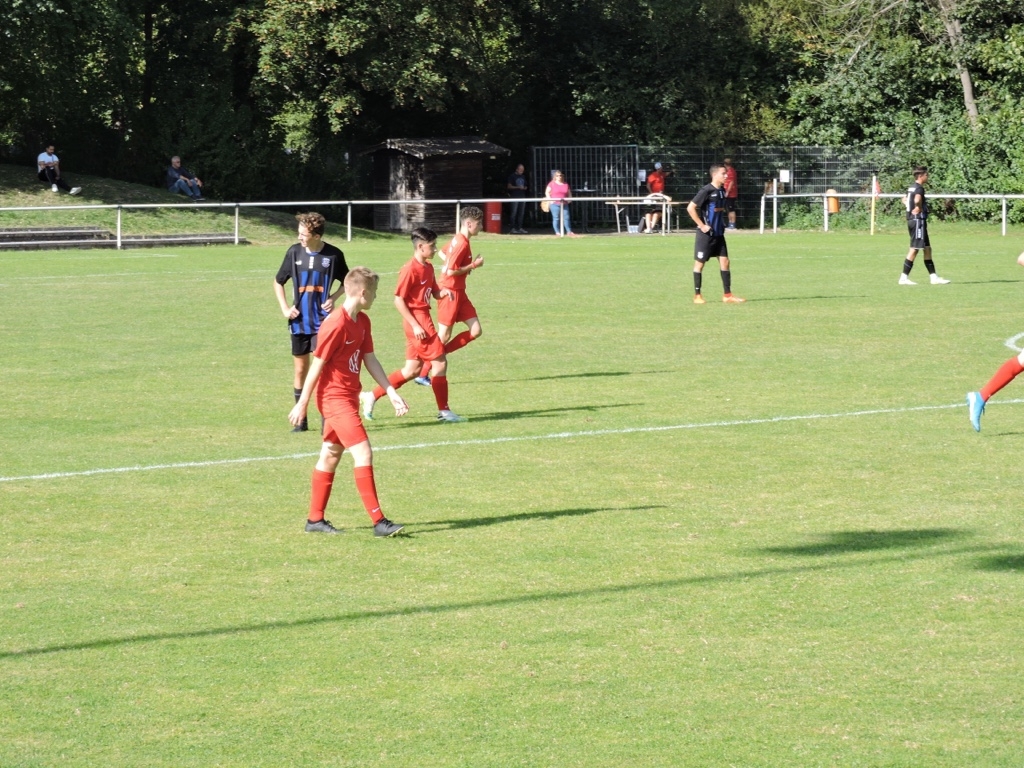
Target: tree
<point x="63" y="69"/>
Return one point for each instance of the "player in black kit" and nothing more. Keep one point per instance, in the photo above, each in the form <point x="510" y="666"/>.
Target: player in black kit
<point x="708" y="211"/>
<point x="313" y="266"/>
<point x="917" y="224"/>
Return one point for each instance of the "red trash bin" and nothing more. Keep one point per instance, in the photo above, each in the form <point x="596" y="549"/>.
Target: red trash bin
<point x="492" y="218"/>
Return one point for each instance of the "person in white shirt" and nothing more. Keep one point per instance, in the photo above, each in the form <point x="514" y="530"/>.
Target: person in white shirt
<point x="49" y="172"/>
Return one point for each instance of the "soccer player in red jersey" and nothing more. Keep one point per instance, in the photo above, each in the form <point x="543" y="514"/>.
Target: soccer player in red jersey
<point x="416" y="284"/>
<point x="457" y="308"/>
<point x="458" y="263"/>
<point x="1007" y="372"/>
<point x="343" y="345"/>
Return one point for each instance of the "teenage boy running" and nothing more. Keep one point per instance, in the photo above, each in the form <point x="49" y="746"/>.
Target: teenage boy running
<point x="344" y="344"/>
<point x="707" y="209"/>
<point x="457" y="308"/>
<point x="416" y="284"/>
<point x="1006" y="373"/>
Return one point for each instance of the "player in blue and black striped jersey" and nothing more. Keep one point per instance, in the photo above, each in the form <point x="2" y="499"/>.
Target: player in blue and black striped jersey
<point x="708" y="211"/>
<point x="313" y="266"/>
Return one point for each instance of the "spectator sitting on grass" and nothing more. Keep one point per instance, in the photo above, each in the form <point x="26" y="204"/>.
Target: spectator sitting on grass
<point x="49" y="171"/>
<point x="183" y="181"/>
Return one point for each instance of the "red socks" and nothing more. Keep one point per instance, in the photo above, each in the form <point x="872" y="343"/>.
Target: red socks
<point x="322" y="482"/>
<point x="458" y="342"/>
<point x="1007" y="372"/>
<point x="368" y="492"/>
<point x="440" y="386"/>
<point x="396" y="380"/>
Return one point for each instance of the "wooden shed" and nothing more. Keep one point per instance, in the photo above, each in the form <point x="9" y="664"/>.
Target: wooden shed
<point x="427" y="169"/>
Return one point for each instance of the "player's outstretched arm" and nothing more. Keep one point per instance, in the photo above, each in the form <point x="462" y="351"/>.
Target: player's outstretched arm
<point x="298" y="413"/>
<point x="376" y="370"/>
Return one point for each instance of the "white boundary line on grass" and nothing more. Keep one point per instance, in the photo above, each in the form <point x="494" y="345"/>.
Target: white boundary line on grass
<point x="1012" y="342"/>
<point x="499" y="440"/>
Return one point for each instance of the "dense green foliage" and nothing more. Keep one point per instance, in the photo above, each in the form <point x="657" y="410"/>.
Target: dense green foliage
<point x="274" y="97"/>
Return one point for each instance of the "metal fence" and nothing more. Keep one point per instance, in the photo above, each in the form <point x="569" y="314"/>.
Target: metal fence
<point x="454" y="205"/>
<point x="615" y="169"/>
<point x="886" y="203"/>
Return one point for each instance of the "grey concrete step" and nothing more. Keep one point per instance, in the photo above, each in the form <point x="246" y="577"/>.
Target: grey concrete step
<point x="9" y="234"/>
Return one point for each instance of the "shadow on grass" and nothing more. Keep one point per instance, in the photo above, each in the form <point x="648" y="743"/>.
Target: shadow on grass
<point x="807" y="298"/>
<point x="1013" y="563"/>
<point x="986" y="282"/>
<point x="476" y="522"/>
<point x="589" y="375"/>
<point x="543" y="413"/>
<point x="644" y="587"/>
<point x="842" y="542"/>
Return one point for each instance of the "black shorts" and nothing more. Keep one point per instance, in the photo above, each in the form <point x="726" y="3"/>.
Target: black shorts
<point x="708" y="246"/>
<point x="918" y="229"/>
<point x="730" y="204"/>
<point x="303" y="344"/>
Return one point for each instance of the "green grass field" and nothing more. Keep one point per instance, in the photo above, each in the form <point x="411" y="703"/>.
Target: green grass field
<point x="668" y="535"/>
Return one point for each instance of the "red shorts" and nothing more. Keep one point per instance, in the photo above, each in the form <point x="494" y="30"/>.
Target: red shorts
<point x="427" y="349"/>
<point x="457" y="310"/>
<point x="342" y="424"/>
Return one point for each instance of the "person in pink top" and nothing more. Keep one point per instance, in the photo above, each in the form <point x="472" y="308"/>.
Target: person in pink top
<point x="559" y="197"/>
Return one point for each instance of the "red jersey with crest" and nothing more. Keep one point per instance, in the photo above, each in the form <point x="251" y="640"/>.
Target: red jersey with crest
<point x="342" y="344"/>
<point x="416" y="284"/>
<point x="459" y="257"/>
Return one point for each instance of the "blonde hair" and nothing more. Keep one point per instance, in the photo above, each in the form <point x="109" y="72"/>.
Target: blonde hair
<point x="359" y="278"/>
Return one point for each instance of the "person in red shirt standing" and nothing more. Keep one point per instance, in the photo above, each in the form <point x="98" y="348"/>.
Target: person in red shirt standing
<point x="416" y="284"/>
<point x="656" y="192"/>
<point x="732" y="192"/>
<point x="344" y="344"/>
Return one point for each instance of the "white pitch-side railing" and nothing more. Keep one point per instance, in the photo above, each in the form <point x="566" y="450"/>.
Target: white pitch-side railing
<point x="824" y="197"/>
<point x="314" y="204"/>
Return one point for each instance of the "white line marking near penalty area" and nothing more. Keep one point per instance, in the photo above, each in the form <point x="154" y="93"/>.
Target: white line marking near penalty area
<point x="499" y="440"/>
<point x="1012" y="342"/>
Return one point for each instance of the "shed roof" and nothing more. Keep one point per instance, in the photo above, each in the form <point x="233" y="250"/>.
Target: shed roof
<point x="451" y="145"/>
